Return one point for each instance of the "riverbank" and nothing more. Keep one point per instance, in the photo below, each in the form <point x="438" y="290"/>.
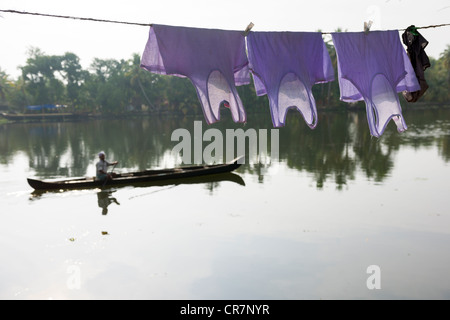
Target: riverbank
<point x="64" y="117"/>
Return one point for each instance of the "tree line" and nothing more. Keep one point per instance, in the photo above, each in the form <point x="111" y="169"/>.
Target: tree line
<point x="111" y="86"/>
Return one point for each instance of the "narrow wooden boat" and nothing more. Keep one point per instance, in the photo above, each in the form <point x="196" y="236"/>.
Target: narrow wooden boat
<point x="136" y="177"/>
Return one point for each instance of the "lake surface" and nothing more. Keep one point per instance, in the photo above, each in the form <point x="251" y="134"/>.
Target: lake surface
<point x="336" y="214"/>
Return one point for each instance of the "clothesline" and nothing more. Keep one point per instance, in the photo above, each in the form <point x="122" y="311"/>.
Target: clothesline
<point x="149" y="24"/>
<point x="75" y="18"/>
<point x="426" y="27"/>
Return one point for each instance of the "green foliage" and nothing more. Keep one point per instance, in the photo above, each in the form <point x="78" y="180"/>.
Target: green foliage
<point x="114" y="87"/>
<point x="4" y="86"/>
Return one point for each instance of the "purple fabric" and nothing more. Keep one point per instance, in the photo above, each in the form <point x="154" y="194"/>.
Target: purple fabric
<point x="374" y="67"/>
<point x="285" y="66"/>
<point x="214" y="60"/>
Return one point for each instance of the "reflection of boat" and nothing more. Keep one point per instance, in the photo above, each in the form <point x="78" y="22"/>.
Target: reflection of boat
<point x="182" y="175"/>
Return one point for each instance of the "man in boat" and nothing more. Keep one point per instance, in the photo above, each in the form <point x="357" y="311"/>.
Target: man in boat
<point x="102" y="167"/>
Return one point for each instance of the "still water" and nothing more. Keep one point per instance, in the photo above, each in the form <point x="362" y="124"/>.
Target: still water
<point x="311" y="223"/>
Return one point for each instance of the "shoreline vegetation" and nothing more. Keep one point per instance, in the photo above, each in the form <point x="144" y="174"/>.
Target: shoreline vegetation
<point x="111" y="88"/>
<point x="64" y="117"/>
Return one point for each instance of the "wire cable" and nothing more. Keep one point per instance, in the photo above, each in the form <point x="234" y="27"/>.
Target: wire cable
<point x="146" y="24"/>
<point x="75" y="18"/>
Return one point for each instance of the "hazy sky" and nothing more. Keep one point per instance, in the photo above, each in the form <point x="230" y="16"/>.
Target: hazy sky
<point x="103" y="40"/>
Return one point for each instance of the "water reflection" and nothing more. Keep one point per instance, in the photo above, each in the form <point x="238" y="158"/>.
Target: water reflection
<point x="334" y="151"/>
<point x="104" y="199"/>
<point x="105" y="196"/>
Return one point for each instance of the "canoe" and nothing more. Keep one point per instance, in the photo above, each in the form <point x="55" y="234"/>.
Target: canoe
<point x="147" y="176"/>
<point x="211" y="180"/>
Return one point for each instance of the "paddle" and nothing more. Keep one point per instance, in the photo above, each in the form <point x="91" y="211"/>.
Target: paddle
<point x="113" y="168"/>
<point x="104" y="183"/>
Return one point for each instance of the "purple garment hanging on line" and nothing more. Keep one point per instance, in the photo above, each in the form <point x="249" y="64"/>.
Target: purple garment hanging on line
<point x="285" y="66"/>
<point x="214" y="60"/>
<point x="374" y="67"/>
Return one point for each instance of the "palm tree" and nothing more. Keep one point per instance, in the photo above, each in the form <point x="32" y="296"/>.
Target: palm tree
<point x="3" y="85"/>
<point x="148" y="88"/>
<point x="445" y="56"/>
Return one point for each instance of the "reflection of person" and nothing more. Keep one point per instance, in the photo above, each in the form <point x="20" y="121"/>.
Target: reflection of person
<point x="104" y="200"/>
<point x="102" y="167"/>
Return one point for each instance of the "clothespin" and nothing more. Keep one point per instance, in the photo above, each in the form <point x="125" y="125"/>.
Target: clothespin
<point x="248" y="29"/>
<point x="367" y="26"/>
<point x="413" y="30"/>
